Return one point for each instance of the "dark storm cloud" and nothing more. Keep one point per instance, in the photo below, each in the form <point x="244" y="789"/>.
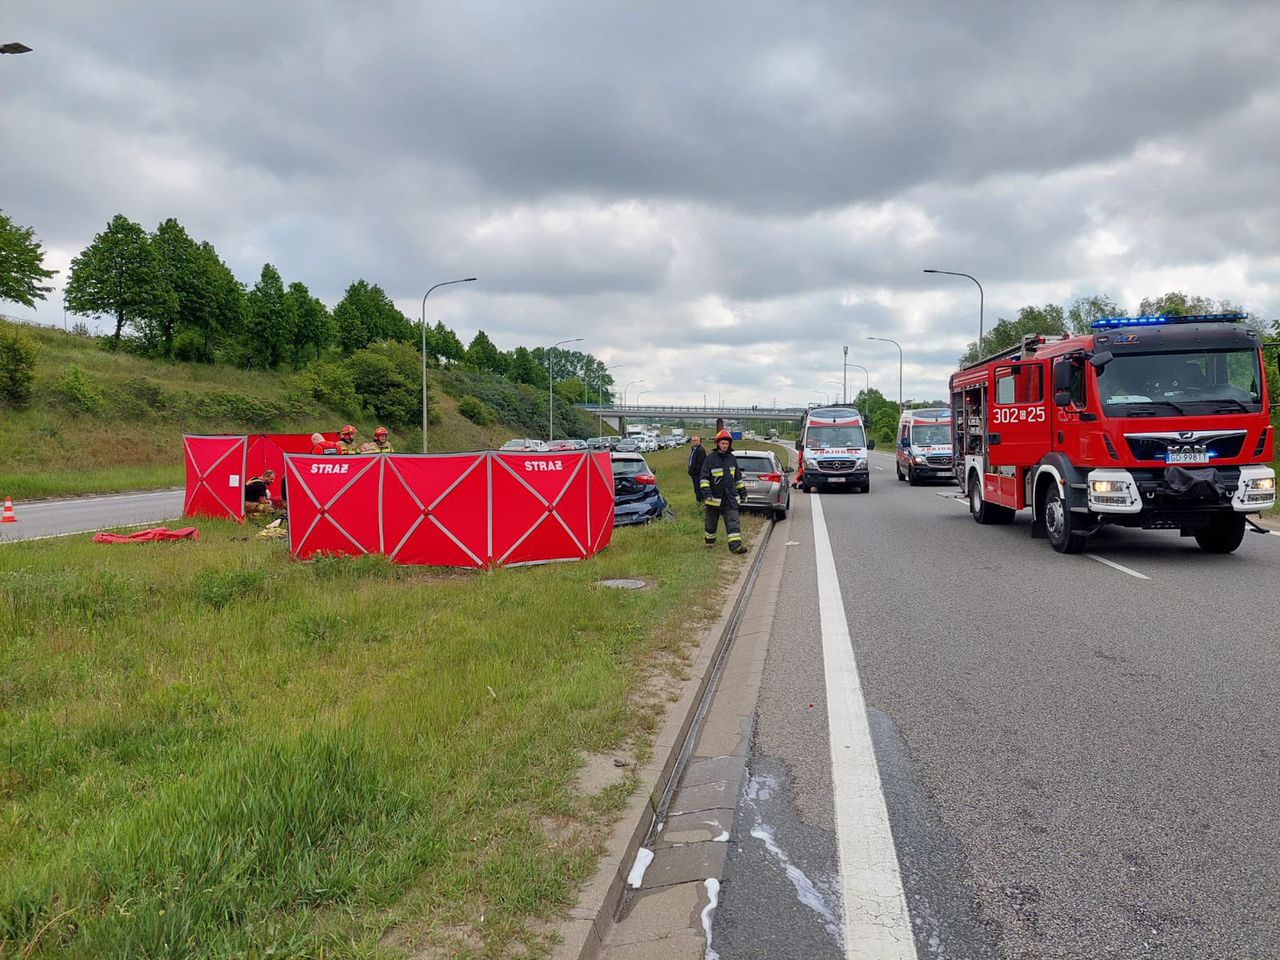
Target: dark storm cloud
<point x="728" y="188"/>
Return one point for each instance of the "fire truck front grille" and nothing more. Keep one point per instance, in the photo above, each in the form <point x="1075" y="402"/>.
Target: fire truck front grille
<point x="1157" y="448"/>
<point x="835" y="466"/>
<point x="938" y="461"/>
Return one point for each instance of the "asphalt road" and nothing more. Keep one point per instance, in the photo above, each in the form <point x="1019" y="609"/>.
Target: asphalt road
<point x="52" y="518"/>
<point x="1078" y="758"/>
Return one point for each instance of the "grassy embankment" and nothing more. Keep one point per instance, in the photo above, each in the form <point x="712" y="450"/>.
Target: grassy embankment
<point x="207" y="750"/>
<point x="121" y="426"/>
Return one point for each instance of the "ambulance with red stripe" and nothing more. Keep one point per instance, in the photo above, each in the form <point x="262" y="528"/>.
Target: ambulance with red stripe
<point x="833" y="449"/>
<point x="1151" y="422"/>
<point x="924" y="445"/>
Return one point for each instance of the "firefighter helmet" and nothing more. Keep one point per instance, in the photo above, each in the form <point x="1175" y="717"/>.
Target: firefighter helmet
<point x="347" y="432"/>
<point x="724" y="435"/>
<point x="380" y="433"/>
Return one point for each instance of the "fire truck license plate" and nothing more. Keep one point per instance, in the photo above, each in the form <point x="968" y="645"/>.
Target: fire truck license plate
<point x="1188" y="456"/>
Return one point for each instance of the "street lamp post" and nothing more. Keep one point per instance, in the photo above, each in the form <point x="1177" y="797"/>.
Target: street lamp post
<point x="616" y="366"/>
<point x="629" y="384"/>
<point x="899" y="346"/>
<point x="551" y="386"/>
<point x="981" y="298"/>
<point x="424" y="353"/>
<point x="867" y="394"/>
<point x="844" y="384"/>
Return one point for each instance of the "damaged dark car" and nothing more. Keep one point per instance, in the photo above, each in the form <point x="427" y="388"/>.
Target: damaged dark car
<point x="636" y="496"/>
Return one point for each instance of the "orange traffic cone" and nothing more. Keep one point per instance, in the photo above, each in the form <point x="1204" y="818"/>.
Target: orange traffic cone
<point x="7" y="516"/>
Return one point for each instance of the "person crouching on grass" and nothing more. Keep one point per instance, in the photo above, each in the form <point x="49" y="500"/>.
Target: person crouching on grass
<point x="257" y="493"/>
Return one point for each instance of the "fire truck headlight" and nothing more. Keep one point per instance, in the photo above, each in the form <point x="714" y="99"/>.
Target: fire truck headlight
<point x="1261" y="484"/>
<point x="1109" y="486"/>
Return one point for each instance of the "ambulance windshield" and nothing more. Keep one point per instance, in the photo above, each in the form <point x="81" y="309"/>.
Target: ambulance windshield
<point x="827" y="438"/>
<point x="1178" y="384"/>
<point x="931" y="435"/>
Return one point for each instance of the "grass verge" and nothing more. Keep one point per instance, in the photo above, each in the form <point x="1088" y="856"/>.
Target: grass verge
<point x="207" y="750"/>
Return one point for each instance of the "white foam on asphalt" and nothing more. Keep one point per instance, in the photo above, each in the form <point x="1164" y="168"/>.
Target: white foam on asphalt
<point x="1118" y="566"/>
<point x="876" y="922"/>
<point x="723" y="838"/>
<point x="644" y="857"/>
<point x="807" y="891"/>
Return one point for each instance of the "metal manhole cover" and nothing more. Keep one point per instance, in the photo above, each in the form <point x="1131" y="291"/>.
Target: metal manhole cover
<point x="623" y="584"/>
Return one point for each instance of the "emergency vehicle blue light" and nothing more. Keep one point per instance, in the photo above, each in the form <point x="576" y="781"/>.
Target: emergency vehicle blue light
<point x="1106" y="322"/>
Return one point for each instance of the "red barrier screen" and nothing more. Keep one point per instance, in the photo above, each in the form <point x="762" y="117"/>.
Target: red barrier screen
<point x="215" y="477"/>
<point x="334" y="504"/>
<point x="267" y="450"/>
<point x="468" y="510"/>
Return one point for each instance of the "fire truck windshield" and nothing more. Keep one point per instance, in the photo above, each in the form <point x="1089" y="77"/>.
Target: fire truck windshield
<point x="1177" y="384"/>
<point x="931" y="435"/>
<point x="826" y="438"/>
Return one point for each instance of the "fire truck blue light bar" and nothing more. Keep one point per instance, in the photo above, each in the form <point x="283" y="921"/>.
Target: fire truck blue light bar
<point x="1152" y="321"/>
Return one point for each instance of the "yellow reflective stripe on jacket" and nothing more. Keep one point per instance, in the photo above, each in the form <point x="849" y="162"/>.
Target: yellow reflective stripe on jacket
<point x="717" y="472"/>
<point x="705" y="483"/>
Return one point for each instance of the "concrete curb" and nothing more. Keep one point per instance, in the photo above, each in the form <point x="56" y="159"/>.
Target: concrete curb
<point x="592" y="915"/>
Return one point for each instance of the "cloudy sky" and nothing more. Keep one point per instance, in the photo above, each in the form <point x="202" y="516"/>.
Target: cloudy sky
<point x="717" y="195"/>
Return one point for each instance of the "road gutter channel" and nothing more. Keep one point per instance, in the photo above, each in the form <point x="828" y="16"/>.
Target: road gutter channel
<point x="584" y="934"/>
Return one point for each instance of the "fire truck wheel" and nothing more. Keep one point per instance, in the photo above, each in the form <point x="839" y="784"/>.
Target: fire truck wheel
<point x="983" y="512"/>
<point x="1059" y="523"/>
<point x="1223" y="534"/>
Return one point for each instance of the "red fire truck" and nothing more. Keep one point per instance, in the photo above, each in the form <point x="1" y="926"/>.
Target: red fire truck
<point x="1151" y="422"/>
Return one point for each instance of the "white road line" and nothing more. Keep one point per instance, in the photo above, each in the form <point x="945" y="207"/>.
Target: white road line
<point x="876" y="923"/>
<point x="1118" y="566"/>
<point x="881" y="469"/>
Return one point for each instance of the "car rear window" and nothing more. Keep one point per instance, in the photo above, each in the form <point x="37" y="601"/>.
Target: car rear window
<point x="755" y="465"/>
<point x="629" y="468"/>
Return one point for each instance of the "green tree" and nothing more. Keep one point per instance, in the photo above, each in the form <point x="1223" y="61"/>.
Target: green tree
<point x="1179" y="304"/>
<point x="1049" y="320"/>
<point x="522" y="368"/>
<point x="17" y="367"/>
<point x="226" y="316"/>
<point x="387" y="380"/>
<point x="180" y="263"/>
<point x="1084" y="310"/>
<point x="21" y="264"/>
<point x="313" y="326"/>
<point x="118" y="275"/>
<point x="449" y="348"/>
<point x="483" y="355"/>
<point x="365" y="314"/>
<point x="269" y="320"/>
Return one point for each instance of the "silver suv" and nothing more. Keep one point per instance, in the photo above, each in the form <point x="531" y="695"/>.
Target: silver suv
<point x="768" y="482"/>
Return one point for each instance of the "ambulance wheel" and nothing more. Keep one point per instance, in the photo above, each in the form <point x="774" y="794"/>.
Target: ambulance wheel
<point x="983" y="512"/>
<point x="1059" y="523"/>
<point x="899" y="470"/>
<point x="1223" y="534"/>
<point x="912" y="478"/>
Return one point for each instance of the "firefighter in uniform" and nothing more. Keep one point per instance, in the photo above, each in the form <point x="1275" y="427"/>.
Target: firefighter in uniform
<point x="347" y="440"/>
<point x="380" y="442"/>
<point x="722" y="485"/>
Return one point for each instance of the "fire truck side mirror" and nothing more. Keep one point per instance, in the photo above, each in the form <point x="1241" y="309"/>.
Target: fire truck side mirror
<point x="1100" y="360"/>
<point x="1062" y="398"/>
<point x="1062" y="376"/>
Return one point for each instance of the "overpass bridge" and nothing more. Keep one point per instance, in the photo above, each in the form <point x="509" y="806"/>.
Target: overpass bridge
<point x="692" y="412"/>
